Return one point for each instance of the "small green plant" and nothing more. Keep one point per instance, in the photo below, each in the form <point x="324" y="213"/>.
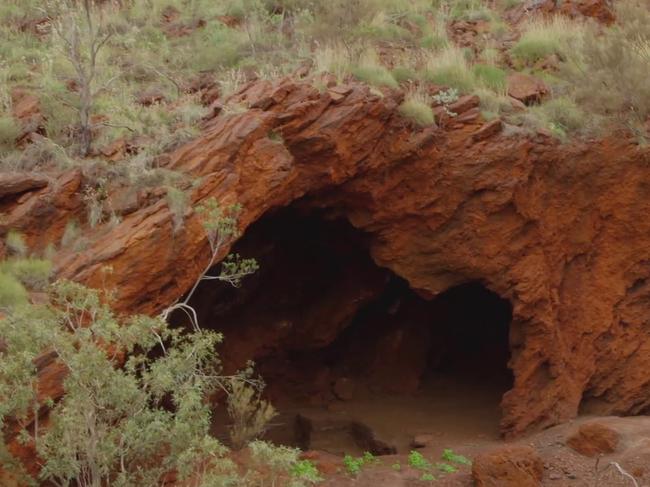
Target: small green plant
<point x="448" y="455"/>
<point x="282" y="462"/>
<point x="353" y="465"/>
<point x="396" y="466"/>
<point x="417" y="460"/>
<point x="305" y="470"/>
<point x="446" y="98"/>
<point x="427" y="477"/>
<point x="369" y="458"/>
<point x="446" y="467"/>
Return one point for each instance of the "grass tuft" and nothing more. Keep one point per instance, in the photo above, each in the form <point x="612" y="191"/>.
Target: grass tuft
<point x="450" y="68"/>
<point x="542" y="38"/>
<point x="417" y="108"/>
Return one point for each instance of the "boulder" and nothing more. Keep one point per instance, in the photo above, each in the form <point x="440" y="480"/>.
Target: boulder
<point x="594" y="438"/>
<point x="508" y="466"/>
<point x="526" y="88"/>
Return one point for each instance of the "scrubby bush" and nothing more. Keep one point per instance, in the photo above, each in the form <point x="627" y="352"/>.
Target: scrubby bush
<point x="117" y="425"/>
<point x="250" y="414"/>
<point x="283" y="463"/>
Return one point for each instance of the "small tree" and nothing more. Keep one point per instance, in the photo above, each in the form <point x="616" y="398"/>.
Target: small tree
<point x="122" y="421"/>
<point x="220" y="228"/>
<point x="82" y="33"/>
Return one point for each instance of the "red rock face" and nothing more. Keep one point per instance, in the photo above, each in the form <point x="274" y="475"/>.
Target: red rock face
<point x="508" y="466"/>
<point x="561" y="231"/>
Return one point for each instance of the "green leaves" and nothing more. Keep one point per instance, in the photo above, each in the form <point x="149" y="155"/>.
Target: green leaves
<point x="113" y="424"/>
<point x="449" y="456"/>
<point x="220" y="224"/>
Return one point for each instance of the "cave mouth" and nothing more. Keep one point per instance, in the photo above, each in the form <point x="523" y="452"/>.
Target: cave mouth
<point x="353" y="358"/>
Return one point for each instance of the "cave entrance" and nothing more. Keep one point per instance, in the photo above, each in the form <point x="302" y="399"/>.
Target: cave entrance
<point x="353" y="358"/>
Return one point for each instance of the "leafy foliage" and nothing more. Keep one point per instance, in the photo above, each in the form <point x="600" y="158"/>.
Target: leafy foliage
<point x="449" y="456"/>
<point x="417" y="461"/>
<point x="124" y="425"/>
<point x="284" y="464"/>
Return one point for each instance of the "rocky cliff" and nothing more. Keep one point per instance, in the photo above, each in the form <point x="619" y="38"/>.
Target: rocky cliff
<point x="559" y="230"/>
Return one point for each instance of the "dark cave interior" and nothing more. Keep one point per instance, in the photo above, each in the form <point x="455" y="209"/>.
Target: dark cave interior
<point x="327" y="327"/>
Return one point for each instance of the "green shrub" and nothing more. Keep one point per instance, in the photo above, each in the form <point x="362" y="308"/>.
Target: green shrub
<point x="250" y="414"/>
<point x="282" y="462"/>
<point x="417" y="461"/>
<point x="353" y="465"/>
<point x="417" y="108"/>
<point x="446" y="467"/>
<point x="449" y="456"/>
<point x="113" y="424"/>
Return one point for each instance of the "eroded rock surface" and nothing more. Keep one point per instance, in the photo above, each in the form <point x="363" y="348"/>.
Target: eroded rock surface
<point x="561" y="231"/>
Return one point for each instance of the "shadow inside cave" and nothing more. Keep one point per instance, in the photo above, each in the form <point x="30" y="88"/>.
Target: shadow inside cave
<point x="353" y="358"/>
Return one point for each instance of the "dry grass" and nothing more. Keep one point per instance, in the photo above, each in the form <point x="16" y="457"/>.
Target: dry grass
<point x="449" y="67"/>
<point x="417" y="108"/>
<point x="544" y="37"/>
